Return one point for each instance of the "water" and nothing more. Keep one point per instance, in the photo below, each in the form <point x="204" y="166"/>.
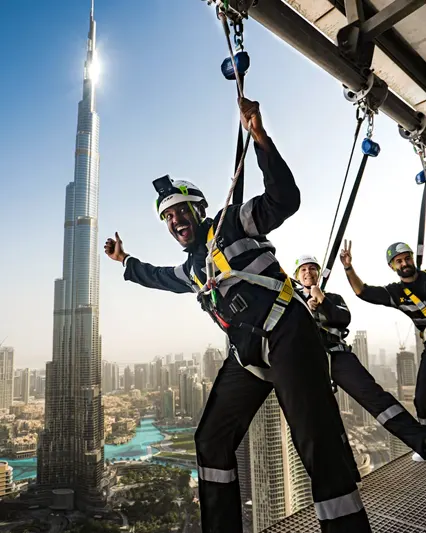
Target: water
<point x="146" y="435"/>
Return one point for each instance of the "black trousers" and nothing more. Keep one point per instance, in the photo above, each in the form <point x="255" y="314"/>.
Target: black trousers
<point x="299" y="375"/>
<point x="420" y="395"/>
<point x="349" y="374"/>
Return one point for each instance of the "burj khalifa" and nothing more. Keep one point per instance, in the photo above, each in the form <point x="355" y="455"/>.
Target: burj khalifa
<point x="71" y="446"/>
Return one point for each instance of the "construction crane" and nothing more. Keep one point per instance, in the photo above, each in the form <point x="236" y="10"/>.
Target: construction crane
<point x="402" y="345"/>
<point x="1" y="343"/>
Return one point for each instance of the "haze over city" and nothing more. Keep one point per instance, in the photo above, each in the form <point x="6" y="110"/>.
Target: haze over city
<point x="166" y="108"/>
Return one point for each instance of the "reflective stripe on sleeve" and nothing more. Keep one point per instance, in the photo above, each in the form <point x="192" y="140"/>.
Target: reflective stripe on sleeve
<point x="341" y="506"/>
<point x="217" y="476"/>
<point x="247" y="220"/>
<point x="389" y="413"/>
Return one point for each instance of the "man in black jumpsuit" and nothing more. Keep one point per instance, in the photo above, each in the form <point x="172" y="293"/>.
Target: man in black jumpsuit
<point x="333" y="318"/>
<point x="274" y="343"/>
<point x="408" y="296"/>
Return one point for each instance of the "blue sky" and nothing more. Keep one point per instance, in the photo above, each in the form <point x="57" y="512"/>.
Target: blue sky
<point x="165" y="108"/>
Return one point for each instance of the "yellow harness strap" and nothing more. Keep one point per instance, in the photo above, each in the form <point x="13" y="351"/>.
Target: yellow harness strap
<point x="222" y="264"/>
<point x="416" y="301"/>
<point x="218" y="258"/>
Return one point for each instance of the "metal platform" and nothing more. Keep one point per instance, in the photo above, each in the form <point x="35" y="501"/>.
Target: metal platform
<point x="394" y="496"/>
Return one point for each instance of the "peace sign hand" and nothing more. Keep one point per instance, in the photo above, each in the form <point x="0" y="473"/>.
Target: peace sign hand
<point x="345" y="254"/>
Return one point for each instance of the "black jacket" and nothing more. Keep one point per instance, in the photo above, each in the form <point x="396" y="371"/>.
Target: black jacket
<point x="243" y="242"/>
<point x="393" y="295"/>
<point x="332" y="317"/>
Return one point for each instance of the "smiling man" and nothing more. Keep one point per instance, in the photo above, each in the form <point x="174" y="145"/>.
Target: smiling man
<point x="274" y="343"/>
<point x="408" y="296"/>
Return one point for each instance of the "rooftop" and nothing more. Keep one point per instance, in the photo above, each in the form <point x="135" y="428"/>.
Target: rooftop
<point x="394" y="496"/>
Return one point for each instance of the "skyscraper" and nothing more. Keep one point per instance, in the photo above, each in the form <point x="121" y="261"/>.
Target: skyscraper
<point x="298" y="491"/>
<point x="71" y="447"/>
<point x="360" y="347"/>
<point x="267" y="466"/>
<point x="26" y="385"/>
<point x="419" y="347"/>
<point x="244" y="468"/>
<point x="128" y="379"/>
<point x="406" y="374"/>
<point x="6" y="377"/>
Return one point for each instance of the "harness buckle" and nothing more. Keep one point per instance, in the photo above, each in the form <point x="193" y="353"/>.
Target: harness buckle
<point x="238" y="304"/>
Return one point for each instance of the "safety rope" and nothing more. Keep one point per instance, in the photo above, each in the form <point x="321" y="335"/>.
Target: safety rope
<point x="360" y="119"/>
<point x="343" y="223"/>
<point x="420" y="149"/>
<point x="238" y="195"/>
<point x="369" y="148"/>
<point x="212" y="245"/>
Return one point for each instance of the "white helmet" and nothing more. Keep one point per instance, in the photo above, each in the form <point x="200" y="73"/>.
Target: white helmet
<point x="303" y="260"/>
<point x="173" y="192"/>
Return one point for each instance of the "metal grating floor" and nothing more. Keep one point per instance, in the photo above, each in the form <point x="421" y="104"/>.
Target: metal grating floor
<point x="394" y="496"/>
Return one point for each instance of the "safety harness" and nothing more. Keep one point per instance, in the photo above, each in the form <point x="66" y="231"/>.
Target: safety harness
<point x="416" y="301"/>
<point x="283" y="288"/>
<point x="419" y="304"/>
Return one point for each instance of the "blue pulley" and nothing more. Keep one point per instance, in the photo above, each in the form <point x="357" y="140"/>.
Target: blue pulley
<point x="370" y="147"/>
<point x="242" y="61"/>
<point x="421" y="178"/>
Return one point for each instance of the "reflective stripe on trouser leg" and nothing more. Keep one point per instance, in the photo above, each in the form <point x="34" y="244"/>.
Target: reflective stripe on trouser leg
<point x="217" y="476"/>
<point x="337" y="507"/>
<point x="389" y="413"/>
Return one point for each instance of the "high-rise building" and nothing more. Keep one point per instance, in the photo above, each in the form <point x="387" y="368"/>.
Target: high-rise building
<point x="71" y="447"/>
<point x="267" y="467"/>
<point x="212" y="362"/>
<point x="197" y="400"/>
<point x="343" y="400"/>
<point x="17" y="385"/>
<point x="33" y="380"/>
<point x="360" y="347"/>
<point x="115" y="372"/>
<point x="107" y="377"/>
<point x="40" y="386"/>
<point x="6" y="478"/>
<point x="26" y="386"/>
<point x="6" y="377"/>
<point x="406" y="375"/>
<point x="244" y="468"/>
<point x="128" y="379"/>
<point x="169" y="404"/>
<point x="207" y="387"/>
<point x="298" y="492"/>
<point x="141" y="376"/>
<point x="396" y="447"/>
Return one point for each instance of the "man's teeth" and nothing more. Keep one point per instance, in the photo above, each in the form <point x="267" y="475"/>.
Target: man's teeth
<point x="181" y="228"/>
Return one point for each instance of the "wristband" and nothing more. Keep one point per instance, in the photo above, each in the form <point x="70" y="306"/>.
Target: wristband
<point x="348" y="268"/>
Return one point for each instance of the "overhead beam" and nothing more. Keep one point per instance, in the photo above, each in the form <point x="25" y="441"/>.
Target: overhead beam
<point x="354" y="11"/>
<point x="407" y="59"/>
<point x="287" y="24"/>
<point x="387" y="17"/>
